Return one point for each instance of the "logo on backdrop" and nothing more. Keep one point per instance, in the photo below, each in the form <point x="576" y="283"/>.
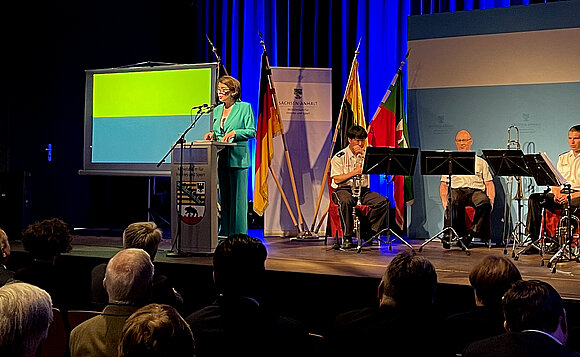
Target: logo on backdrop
<point x="191" y="199"/>
<point x="297" y="93"/>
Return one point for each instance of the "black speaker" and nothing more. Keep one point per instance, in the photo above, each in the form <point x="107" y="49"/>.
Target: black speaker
<point x="14" y="203"/>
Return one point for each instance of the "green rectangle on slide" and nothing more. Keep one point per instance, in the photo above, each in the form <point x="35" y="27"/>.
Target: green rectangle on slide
<point x="150" y="93"/>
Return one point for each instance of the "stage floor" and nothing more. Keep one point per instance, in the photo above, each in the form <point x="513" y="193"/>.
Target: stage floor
<point x="287" y="255"/>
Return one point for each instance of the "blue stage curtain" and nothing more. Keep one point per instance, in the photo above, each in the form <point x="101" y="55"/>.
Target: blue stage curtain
<point x="319" y="33"/>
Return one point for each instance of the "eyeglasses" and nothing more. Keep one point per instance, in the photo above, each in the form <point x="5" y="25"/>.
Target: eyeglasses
<point x="223" y="90"/>
<point x="463" y="140"/>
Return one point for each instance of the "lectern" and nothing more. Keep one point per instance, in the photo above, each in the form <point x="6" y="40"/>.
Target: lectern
<point x="194" y="196"/>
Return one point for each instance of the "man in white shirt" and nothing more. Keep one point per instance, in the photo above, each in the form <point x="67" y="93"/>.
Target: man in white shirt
<point x="569" y="166"/>
<point x="346" y="165"/>
<point x="476" y="191"/>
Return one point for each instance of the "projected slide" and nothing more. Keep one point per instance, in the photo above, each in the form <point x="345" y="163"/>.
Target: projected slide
<point x="133" y="116"/>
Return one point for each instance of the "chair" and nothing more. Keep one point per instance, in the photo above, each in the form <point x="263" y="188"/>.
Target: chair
<point x="76" y="317"/>
<point x="333" y="214"/>
<point x="55" y="344"/>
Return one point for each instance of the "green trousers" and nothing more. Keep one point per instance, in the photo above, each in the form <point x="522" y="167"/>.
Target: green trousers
<point x="233" y="183"/>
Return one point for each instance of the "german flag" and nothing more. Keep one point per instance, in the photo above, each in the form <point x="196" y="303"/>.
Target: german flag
<point x="269" y="125"/>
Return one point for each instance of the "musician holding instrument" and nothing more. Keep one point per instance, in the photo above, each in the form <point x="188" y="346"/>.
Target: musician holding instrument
<point x="569" y="166"/>
<point x="477" y="191"/>
<point x="349" y="182"/>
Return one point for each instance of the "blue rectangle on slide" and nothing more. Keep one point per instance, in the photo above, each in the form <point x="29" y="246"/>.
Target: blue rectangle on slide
<point x="141" y="139"/>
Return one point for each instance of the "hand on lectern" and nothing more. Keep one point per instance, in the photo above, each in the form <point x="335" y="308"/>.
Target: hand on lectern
<point x="208" y="136"/>
<point x="229" y="137"/>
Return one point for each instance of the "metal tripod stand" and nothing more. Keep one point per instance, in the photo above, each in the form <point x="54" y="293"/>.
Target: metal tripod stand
<point x="566" y="237"/>
<point x="448" y="163"/>
<point x="388" y="161"/>
<point x="453" y="236"/>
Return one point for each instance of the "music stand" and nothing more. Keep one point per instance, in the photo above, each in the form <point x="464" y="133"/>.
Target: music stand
<point x="510" y="163"/>
<point x="448" y="163"/>
<point x="388" y="161"/>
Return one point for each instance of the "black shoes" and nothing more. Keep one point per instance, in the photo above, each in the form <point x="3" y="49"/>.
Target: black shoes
<point x="347" y="243"/>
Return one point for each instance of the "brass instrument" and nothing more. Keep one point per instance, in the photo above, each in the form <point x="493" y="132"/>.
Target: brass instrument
<point x="514" y="144"/>
<point x="563" y="232"/>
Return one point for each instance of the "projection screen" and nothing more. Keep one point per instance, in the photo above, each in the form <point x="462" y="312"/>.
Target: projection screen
<point x="134" y="115"/>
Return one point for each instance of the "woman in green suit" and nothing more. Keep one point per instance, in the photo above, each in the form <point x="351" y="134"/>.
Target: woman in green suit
<point x="234" y="122"/>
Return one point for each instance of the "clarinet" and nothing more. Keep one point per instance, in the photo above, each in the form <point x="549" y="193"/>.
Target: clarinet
<point x="357" y="181"/>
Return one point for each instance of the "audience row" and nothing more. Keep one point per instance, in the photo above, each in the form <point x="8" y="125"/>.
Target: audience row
<point x="512" y="317"/>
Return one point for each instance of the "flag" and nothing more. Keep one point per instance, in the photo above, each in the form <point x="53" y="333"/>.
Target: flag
<point x="352" y="108"/>
<point x="389" y="128"/>
<point x="269" y="125"/>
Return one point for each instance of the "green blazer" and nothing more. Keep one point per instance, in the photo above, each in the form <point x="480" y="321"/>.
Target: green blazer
<point x="241" y="120"/>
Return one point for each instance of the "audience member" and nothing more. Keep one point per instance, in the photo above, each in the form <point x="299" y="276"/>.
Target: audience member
<point x="25" y="315"/>
<point x="45" y="241"/>
<point x="5" y="274"/>
<point x="535" y="320"/>
<point x="490" y="279"/>
<point x="156" y="330"/>
<point x="238" y="323"/>
<point x="146" y="236"/>
<point x="128" y="284"/>
<point x="404" y="321"/>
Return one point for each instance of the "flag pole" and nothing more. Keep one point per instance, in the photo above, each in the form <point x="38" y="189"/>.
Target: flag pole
<point x="284" y="198"/>
<point x="286" y="152"/>
<point x="338" y="123"/>
<point x="388" y="93"/>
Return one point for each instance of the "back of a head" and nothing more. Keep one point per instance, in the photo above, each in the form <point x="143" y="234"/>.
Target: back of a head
<point x="492" y="277"/>
<point x="47" y="239"/>
<point x="156" y="331"/>
<point x="128" y="277"/>
<point x="239" y="264"/>
<point x="409" y="280"/>
<point x="25" y="315"/>
<point x="4" y="247"/>
<point x="532" y="305"/>
<point x="142" y="235"/>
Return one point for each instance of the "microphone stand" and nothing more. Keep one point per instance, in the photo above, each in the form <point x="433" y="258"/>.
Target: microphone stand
<point x="176" y="246"/>
<point x="217" y="57"/>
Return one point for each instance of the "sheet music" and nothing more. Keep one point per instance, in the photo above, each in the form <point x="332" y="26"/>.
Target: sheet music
<point x="561" y="179"/>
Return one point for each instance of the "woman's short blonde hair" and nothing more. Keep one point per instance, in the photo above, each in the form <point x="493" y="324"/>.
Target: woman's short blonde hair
<point x="233" y="85"/>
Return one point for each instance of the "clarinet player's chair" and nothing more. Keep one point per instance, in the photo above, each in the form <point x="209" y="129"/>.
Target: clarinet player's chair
<point x="334" y="217"/>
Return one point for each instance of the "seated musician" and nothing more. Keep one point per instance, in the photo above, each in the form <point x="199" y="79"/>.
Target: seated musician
<point x="476" y="191"/>
<point x="346" y="165"/>
<point x="569" y="166"/>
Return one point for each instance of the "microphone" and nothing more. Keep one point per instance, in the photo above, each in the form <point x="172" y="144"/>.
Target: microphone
<point x="212" y="107"/>
<point x="198" y="107"/>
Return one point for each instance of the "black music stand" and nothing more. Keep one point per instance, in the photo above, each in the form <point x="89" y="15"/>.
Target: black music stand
<point x="510" y="163"/>
<point x="388" y="161"/>
<point x="448" y="163"/>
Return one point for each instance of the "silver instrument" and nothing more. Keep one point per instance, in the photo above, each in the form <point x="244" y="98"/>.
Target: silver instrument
<point x="517" y="234"/>
<point x="357" y="180"/>
<point x="514" y="144"/>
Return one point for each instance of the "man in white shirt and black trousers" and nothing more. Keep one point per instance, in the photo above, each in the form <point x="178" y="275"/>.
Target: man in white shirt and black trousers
<point x="345" y="165"/>
<point x="569" y="166"/>
<point x="477" y="191"/>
